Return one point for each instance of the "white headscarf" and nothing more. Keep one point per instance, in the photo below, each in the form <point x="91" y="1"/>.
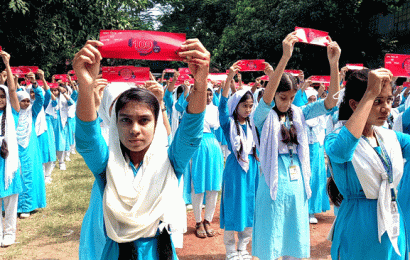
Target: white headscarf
<point x="237" y="139"/>
<point x="24" y="125"/>
<point x="211" y="119"/>
<point x="111" y="92"/>
<point x="12" y="161"/>
<point x="134" y="206"/>
<point x="41" y="123"/>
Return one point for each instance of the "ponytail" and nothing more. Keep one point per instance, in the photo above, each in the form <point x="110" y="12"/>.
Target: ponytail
<point x="289" y="135"/>
<point x="4" y="151"/>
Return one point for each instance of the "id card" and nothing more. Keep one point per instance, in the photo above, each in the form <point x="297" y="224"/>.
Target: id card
<point x="395" y="219"/>
<point x="294" y="172"/>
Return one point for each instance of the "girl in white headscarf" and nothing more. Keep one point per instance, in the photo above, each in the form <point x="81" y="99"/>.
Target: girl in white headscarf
<point x="137" y="173"/>
<point x="34" y="191"/>
<point x="10" y="178"/>
<point x="241" y="169"/>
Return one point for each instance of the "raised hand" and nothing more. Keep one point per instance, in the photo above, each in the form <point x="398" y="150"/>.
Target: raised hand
<point x="378" y="79"/>
<point x="197" y="57"/>
<point x="268" y="69"/>
<point x="156" y="89"/>
<point x="333" y="52"/>
<point x="288" y="44"/>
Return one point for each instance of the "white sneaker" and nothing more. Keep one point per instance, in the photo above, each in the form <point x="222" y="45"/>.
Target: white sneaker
<point x="244" y="255"/>
<point x="8" y="240"/>
<point x="63" y="167"/>
<point x="67" y="159"/>
<point x="48" y="180"/>
<point x="22" y="215"/>
<point x="189" y="207"/>
<point x="233" y="256"/>
<point x="312" y="219"/>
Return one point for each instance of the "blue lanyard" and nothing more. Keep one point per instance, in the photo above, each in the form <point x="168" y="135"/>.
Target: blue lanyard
<point x="387" y="164"/>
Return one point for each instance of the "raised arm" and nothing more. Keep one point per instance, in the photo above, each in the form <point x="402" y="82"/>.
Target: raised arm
<point x="333" y="54"/>
<point x="10" y="82"/>
<point x="232" y="71"/>
<point x="274" y="79"/>
<point x="198" y="59"/>
<point x="86" y="64"/>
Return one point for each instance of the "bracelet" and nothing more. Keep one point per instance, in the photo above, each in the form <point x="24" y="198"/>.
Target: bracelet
<point x="164" y="109"/>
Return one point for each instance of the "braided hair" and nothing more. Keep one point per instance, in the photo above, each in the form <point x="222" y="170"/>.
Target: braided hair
<point x="245" y="97"/>
<point x="289" y="135"/>
<point x="4" y="152"/>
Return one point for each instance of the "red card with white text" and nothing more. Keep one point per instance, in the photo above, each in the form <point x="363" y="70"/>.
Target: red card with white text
<point x="169" y="70"/>
<point x="183" y="77"/>
<point x="357" y="66"/>
<point x="71" y="72"/>
<point x="40" y="83"/>
<point x="265" y="78"/>
<point x="33" y="69"/>
<point x="251" y="65"/>
<point x="217" y="76"/>
<point x="141" y="45"/>
<point x="398" y="64"/>
<point x="19" y="72"/>
<point x="184" y="71"/>
<point x="320" y="79"/>
<point x="406" y="84"/>
<point x="126" y="74"/>
<point x="53" y="85"/>
<point x="294" y="72"/>
<point x="62" y="77"/>
<point x="312" y="36"/>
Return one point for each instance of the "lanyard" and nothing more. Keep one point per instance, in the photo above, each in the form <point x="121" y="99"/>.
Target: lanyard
<point x="387" y="164"/>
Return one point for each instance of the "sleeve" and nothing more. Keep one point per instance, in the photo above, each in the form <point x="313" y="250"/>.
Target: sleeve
<point x="74" y="95"/>
<point x="92" y="147"/>
<point x="186" y="141"/>
<point x="54" y="103"/>
<point x="315" y="109"/>
<point x="169" y="102"/>
<point x="261" y="113"/>
<point x="70" y="102"/>
<point x="300" y="98"/>
<point x="406" y="121"/>
<point x="224" y="114"/>
<point x="38" y="102"/>
<point x="340" y="146"/>
<point x="404" y="140"/>
<point x="47" y="98"/>
<point x="181" y="104"/>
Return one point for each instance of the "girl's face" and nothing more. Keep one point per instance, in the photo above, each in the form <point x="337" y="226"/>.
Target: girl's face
<point x="209" y="96"/>
<point x="32" y="95"/>
<point x="25" y="103"/>
<point x="381" y="107"/>
<point x="3" y="99"/>
<point x="136" y="126"/>
<point x="244" y="109"/>
<point x="311" y="99"/>
<point x="55" y="92"/>
<point x="283" y="100"/>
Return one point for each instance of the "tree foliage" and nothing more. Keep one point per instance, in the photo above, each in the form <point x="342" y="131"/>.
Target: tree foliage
<point x="250" y="29"/>
<point x="47" y="33"/>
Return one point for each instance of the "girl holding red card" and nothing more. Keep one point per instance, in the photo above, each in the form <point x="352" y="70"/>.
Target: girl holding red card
<point x="281" y="226"/>
<point x="367" y="163"/>
<point x="138" y="174"/>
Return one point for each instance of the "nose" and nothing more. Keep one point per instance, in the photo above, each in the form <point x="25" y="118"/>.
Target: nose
<point x="135" y="129"/>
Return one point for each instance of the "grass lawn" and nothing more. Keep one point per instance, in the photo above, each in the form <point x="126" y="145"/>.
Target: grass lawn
<point x="54" y="232"/>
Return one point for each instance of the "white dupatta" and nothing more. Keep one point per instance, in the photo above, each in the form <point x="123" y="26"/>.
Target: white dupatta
<point x="24" y="126"/>
<point x="271" y="145"/>
<point x="374" y="179"/>
<point x="134" y="206"/>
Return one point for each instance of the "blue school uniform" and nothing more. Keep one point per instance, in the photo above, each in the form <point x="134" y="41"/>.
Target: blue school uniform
<point x="94" y="243"/>
<point x="46" y="140"/>
<point x="60" y="131"/>
<point x="238" y="187"/>
<point x="15" y="186"/>
<point x="281" y="226"/>
<point x="34" y="190"/>
<point x="71" y="122"/>
<point x="355" y="233"/>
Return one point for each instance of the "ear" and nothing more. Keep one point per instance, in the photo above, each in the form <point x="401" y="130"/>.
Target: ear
<point x="353" y="104"/>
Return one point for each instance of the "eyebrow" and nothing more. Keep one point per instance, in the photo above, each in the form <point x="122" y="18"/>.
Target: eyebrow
<point x="132" y="115"/>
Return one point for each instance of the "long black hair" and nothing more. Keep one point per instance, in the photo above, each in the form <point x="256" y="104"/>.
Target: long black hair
<point x="4" y="151"/>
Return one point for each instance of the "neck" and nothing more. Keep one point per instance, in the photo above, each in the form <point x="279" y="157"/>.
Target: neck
<point x="241" y="120"/>
<point x="368" y="131"/>
<point x="137" y="157"/>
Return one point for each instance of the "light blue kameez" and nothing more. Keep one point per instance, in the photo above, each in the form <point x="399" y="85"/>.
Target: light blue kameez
<point x="94" y="243"/>
<point x="281" y="226"/>
<point x="355" y="230"/>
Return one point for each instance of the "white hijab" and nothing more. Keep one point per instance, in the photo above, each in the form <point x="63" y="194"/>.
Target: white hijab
<point x="134" y="206"/>
<point x="12" y="161"/>
<point x="24" y="125"/>
<point x="41" y="123"/>
<point x="237" y="139"/>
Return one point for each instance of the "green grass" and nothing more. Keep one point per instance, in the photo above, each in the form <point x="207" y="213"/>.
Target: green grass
<point x="68" y="197"/>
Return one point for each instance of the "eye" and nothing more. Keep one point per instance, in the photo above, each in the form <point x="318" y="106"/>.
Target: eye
<point x="125" y="120"/>
<point x="390" y="100"/>
<point x="145" y="120"/>
<point x="377" y="101"/>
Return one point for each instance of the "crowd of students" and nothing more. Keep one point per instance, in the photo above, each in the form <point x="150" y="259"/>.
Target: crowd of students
<point x="273" y="150"/>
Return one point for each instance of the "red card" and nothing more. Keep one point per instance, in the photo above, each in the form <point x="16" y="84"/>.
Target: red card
<point x="169" y="70"/>
<point x="406" y="84"/>
<point x="71" y="72"/>
<point x="312" y="36"/>
<point x="320" y="79"/>
<point x="33" y="69"/>
<point x="62" y="77"/>
<point x="40" y="82"/>
<point x="183" y="77"/>
<point x="141" y="45"/>
<point x="398" y="64"/>
<point x="1" y="48"/>
<point x="20" y="72"/>
<point x="126" y="74"/>
<point x="184" y="71"/>
<point x="294" y="72"/>
<point x="53" y="85"/>
<point x="251" y="65"/>
<point x="357" y="66"/>
<point x="265" y="78"/>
